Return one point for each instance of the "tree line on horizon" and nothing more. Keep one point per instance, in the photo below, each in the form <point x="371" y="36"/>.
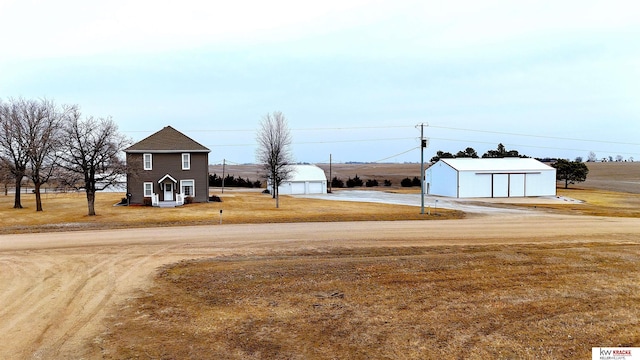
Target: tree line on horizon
<point x="499" y="152"/>
<point x="570" y="172"/>
<point x="232" y="181"/>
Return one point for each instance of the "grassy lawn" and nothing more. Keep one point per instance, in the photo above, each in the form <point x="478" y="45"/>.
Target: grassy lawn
<point x="471" y="302"/>
<point x="596" y="202"/>
<point x="69" y="211"/>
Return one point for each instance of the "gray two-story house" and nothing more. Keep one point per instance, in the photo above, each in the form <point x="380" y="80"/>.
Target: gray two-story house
<point x="167" y="168"/>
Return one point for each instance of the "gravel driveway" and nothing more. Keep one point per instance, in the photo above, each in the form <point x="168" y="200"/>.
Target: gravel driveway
<point x="431" y="202"/>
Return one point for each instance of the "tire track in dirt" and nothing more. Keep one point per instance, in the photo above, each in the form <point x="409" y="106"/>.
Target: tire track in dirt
<point x="89" y="284"/>
<point x="33" y="276"/>
<point x="58" y="287"/>
<point x="53" y="285"/>
<point x="83" y="290"/>
<point x="10" y="278"/>
<point x="118" y="270"/>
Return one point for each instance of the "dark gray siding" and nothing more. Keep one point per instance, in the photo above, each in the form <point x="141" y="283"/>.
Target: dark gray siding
<point x="162" y="165"/>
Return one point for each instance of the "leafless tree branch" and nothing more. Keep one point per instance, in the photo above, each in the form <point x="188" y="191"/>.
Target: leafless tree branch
<point x="274" y="150"/>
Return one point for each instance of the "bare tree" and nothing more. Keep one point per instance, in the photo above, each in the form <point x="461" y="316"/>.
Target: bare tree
<point x="92" y="154"/>
<point x="274" y="150"/>
<point x="14" y="152"/>
<point x="43" y="127"/>
<point x="5" y="177"/>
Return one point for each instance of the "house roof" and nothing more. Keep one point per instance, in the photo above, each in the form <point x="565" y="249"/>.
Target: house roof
<point x="496" y="164"/>
<point x="167" y="140"/>
<point x="307" y="173"/>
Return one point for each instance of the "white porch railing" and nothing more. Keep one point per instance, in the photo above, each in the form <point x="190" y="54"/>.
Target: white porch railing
<point x="155" y="199"/>
<point x="180" y="199"/>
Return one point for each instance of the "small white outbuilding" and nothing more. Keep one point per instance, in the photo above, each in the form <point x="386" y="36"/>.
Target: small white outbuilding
<point x="305" y="179"/>
<point x="490" y="178"/>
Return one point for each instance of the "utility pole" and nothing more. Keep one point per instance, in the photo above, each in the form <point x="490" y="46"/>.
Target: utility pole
<point x="423" y="144"/>
<point x="223" y="165"/>
<point x="330" y="177"/>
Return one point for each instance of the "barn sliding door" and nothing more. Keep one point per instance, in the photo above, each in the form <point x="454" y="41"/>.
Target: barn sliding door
<point x="516" y="185"/>
<point x="508" y="185"/>
<point x="500" y="184"/>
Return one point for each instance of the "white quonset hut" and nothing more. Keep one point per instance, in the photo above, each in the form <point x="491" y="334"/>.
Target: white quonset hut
<point x="305" y="179"/>
<point x="490" y="178"/>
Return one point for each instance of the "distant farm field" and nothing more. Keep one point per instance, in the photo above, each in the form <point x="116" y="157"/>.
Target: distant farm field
<point x="613" y="176"/>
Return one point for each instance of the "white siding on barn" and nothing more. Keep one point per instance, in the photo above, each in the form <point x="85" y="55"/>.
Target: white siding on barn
<point x="441" y="184"/>
<point x="508" y="177"/>
<point x="543" y="183"/>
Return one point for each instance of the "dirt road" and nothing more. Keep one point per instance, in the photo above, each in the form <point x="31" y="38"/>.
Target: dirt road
<point x="57" y="287"/>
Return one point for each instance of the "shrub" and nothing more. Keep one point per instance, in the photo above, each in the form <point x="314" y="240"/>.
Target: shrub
<point x="387" y="182"/>
<point x="356" y="181"/>
<point x="415" y="181"/>
<point x="337" y="183"/>
<point x="188" y="200"/>
<point x="406" y="182"/>
<point x="146" y="201"/>
<point x="371" y="183"/>
<point x="215" y="198"/>
<point x="232" y="181"/>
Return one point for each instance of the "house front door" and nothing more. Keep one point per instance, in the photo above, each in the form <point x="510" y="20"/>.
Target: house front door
<point x="168" y="192"/>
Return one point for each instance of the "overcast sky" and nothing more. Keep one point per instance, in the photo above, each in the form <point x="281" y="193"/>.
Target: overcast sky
<point x="354" y="78"/>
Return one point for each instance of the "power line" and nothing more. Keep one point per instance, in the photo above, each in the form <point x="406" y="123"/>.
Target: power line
<point x="387" y="127"/>
<point x="534" y="136"/>
<point x="349" y="141"/>
<point x="534" y="146"/>
<point x="292" y="129"/>
<point x="392" y="156"/>
<point x="323" y="142"/>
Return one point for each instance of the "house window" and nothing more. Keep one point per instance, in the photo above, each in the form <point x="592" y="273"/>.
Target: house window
<point x="148" y="161"/>
<point x="188" y="187"/>
<point x="148" y="189"/>
<point x="186" y="161"/>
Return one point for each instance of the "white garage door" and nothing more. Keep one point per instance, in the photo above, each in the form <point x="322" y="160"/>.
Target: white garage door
<point x="315" y="188"/>
<point x="297" y="188"/>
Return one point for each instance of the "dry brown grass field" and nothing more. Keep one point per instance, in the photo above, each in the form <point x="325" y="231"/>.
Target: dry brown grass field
<point x="468" y="302"/>
<point x="549" y="300"/>
<point x="68" y="212"/>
